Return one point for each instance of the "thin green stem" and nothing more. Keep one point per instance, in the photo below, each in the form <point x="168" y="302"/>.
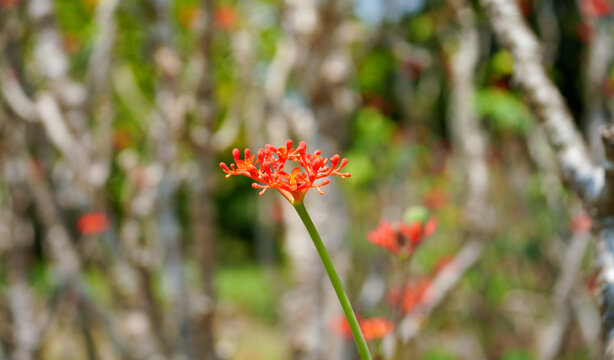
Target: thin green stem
<point x="361" y="344"/>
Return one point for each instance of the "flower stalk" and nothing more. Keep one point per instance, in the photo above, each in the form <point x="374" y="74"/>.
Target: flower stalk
<point x="361" y="344"/>
<point x="269" y="168"/>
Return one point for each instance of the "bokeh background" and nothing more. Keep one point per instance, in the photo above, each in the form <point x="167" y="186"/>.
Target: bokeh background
<point x="120" y="238"/>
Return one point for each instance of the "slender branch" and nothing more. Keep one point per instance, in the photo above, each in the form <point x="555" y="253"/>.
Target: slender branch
<point x="441" y="285"/>
<point x="577" y="167"/>
<point x="552" y="336"/>
<point x="595" y="185"/>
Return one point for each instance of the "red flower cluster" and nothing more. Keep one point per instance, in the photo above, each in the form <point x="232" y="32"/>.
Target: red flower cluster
<point x="402" y="238"/>
<point x="596" y="8"/>
<point x="267" y="168"/>
<point x="92" y="223"/>
<point x="372" y="328"/>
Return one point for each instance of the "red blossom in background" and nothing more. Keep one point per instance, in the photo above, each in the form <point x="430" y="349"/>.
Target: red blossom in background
<point x="267" y="168"/>
<point x="417" y="231"/>
<point x="403" y="238"/>
<point x="385" y="236"/>
<point x="9" y="3"/>
<point x="596" y="8"/>
<point x="92" y="223"/>
<point x="372" y="328"/>
<point x="226" y="17"/>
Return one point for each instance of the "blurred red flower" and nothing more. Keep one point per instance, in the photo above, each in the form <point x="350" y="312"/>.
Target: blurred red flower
<point x="404" y="238"/>
<point x="596" y="8"/>
<point x="9" y="3"/>
<point x="417" y="231"/>
<point x="386" y="237"/>
<point x="92" y="223"/>
<point x="372" y="328"/>
<point x="226" y="17"/>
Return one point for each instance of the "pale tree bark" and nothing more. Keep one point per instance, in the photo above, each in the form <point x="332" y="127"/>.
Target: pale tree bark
<point x="552" y="336"/>
<point x="313" y="51"/>
<point x="59" y="108"/>
<point x="202" y="211"/>
<point x="592" y="183"/>
<point x="570" y="298"/>
<point x="469" y="143"/>
<point x="577" y="168"/>
<point x="18" y="234"/>
<point x="598" y="59"/>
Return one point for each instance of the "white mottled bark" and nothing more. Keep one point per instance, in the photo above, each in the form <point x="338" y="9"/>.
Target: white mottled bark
<point x="577" y="168"/>
<point x="592" y="183"/>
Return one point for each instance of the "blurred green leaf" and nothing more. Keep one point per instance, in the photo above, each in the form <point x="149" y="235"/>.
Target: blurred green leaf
<point x="517" y="355"/>
<point x="375" y="70"/>
<point x="504" y="110"/>
<point x="439" y="355"/>
<point x="416" y="213"/>
<point x="502" y="63"/>
<point x="247" y="288"/>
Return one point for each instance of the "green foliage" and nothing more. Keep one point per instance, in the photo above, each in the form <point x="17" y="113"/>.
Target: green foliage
<point x="422" y="28"/>
<point x="247" y="288"/>
<point x="439" y="354"/>
<point x="41" y="277"/>
<point x="517" y="355"/>
<point x="505" y="112"/>
<point x="98" y="285"/>
<point x="497" y="287"/>
<point x="372" y="152"/>
<point x="375" y="70"/>
<point x="502" y="63"/>
<point x="416" y="213"/>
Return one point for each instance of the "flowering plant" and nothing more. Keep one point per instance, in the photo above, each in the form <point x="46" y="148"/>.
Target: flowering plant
<point x="269" y="169"/>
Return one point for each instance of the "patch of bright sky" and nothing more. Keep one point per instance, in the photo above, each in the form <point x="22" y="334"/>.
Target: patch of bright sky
<point x="374" y="12"/>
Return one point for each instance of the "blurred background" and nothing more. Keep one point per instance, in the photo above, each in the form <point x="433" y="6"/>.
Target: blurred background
<point x="120" y="238"/>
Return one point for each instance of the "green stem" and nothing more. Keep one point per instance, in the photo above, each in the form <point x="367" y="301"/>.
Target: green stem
<point x="361" y="344"/>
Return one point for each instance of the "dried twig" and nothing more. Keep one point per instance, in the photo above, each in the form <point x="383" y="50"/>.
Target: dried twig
<point x="440" y="286"/>
<point x="552" y="336"/>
